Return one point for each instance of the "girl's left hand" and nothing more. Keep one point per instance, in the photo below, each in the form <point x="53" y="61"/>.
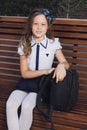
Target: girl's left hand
<point x="59" y="73"/>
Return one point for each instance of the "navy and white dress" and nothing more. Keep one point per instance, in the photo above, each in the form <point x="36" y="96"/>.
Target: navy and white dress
<point x="37" y="60"/>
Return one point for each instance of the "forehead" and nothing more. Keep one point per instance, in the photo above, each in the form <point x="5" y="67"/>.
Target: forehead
<point x="40" y="18"/>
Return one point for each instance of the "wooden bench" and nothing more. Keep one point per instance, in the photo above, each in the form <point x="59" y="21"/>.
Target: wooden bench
<point x="73" y="37"/>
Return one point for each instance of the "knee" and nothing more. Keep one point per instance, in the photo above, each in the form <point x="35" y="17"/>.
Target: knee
<point x="29" y="102"/>
<point x="28" y="106"/>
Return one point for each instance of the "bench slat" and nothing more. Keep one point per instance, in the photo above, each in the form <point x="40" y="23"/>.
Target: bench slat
<point x="70" y="28"/>
<point x="71" y="35"/>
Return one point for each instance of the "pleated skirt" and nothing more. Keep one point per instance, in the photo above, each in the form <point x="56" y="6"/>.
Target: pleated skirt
<point x="29" y="85"/>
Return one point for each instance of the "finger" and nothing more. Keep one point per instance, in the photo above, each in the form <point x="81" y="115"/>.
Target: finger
<point x="57" y="79"/>
<point x="53" y="76"/>
<point x="53" y="69"/>
<point x="60" y="78"/>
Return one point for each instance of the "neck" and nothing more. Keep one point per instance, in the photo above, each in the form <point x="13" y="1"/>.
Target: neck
<point x="38" y="40"/>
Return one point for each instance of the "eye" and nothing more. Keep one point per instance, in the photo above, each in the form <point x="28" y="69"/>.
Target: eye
<point x="43" y="24"/>
<point x="35" y="23"/>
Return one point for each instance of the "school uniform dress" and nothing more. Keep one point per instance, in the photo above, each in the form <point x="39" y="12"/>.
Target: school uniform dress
<point x="41" y="57"/>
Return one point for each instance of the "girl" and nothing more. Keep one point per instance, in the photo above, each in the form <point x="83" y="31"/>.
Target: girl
<point x="37" y="49"/>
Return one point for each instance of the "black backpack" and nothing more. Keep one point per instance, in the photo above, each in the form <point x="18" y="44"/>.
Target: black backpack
<point x="60" y="96"/>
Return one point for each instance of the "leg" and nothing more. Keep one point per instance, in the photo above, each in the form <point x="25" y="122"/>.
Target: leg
<point x="12" y="106"/>
<point x="26" y="116"/>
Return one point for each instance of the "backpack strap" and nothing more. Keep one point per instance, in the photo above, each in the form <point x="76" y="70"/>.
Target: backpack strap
<point x="43" y="83"/>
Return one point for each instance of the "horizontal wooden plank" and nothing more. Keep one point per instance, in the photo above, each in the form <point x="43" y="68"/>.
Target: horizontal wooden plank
<point x="83" y="87"/>
<point x="70" y="28"/>
<point x="77" y="61"/>
<point x="8" y="48"/>
<point x="11" y="25"/>
<point x="10" y="83"/>
<point x="9" y="71"/>
<point x="82" y="81"/>
<point x="11" y="31"/>
<point x="8" y="36"/>
<point x="72" y="41"/>
<point x="9" y="53"/>
<point x="12" y="66"/>
<point x="83" y="75"/>
<point x="10" y="77"/>
<point x="13" y="19"/>
<point x="70" y="35"/>
<point x="8" y="42"/>
<point x="83" y="94"/>
<point x="77" y="54"/>
<point x="56" y="126"/>
<point x="78" y="67"/>
<point x="79" y="22"/>
<point x="75" y="48"/>
<point x="9" y="59"/>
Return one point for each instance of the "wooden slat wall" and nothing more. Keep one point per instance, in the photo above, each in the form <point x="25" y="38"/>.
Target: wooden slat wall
<point x="11" y="29"/>
<point x="73" y="37"/>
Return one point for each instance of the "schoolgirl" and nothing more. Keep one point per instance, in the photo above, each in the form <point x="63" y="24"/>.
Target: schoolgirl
<point x="37" y="49"/>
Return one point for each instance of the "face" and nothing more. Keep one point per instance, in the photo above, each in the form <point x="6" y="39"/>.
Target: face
<point x="39" y="27"/>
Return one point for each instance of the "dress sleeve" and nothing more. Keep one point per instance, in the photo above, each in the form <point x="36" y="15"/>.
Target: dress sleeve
<point x="20" y="50"/>
<point x="57" y="44"/>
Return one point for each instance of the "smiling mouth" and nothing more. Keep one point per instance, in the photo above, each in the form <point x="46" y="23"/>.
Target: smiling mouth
<point x="38" y="32"/>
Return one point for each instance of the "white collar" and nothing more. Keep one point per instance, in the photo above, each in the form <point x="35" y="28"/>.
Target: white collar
<point x="43" y="43"/>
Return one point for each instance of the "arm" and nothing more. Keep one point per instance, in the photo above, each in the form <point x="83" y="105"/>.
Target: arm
<point x="60" y="71"/>
<point x="26" y="73"/>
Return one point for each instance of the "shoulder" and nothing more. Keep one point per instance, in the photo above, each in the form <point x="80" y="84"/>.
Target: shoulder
<point x="54" y="40"/>
<point x="21" y="45"/>
<point x="55" y="43"/>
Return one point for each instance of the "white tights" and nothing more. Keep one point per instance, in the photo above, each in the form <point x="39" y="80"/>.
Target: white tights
<point x="27" y="102"/>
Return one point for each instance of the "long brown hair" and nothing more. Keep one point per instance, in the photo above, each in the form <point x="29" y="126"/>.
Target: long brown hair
<point x="26" y="39"/>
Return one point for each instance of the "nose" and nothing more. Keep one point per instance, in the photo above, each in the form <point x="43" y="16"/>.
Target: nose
<point x="39" y="26"/>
